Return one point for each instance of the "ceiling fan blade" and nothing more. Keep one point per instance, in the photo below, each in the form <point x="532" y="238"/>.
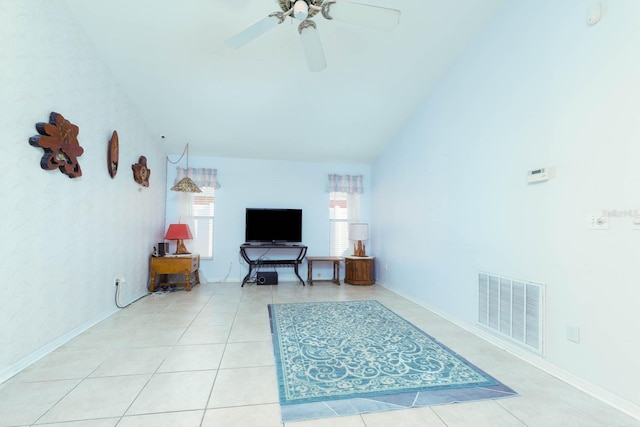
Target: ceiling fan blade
<point x="312" y="45"/>
<point x="254" y="31"/>
<point x="377" y="18"/>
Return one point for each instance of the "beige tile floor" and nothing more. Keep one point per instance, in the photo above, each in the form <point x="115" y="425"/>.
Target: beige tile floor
<point x="204" y="358"/>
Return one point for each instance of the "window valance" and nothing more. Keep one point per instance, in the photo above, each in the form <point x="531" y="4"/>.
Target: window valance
<point x="351" y="184"/>
<point x="203" y="177"/>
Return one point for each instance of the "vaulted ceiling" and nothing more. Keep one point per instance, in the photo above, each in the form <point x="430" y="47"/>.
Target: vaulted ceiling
<point x="260" y="101"/>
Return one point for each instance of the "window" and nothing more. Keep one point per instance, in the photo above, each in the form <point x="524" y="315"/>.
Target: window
<point x="203" y="222"/>
<point x="338" y="222"/>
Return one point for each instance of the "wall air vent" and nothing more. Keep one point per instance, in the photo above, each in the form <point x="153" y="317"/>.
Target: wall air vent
<point x="512" y="309"/>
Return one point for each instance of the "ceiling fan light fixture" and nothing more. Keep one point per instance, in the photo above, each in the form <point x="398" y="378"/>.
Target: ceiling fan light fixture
<point x="301" y="10"/>
<point x="374" y="17"/>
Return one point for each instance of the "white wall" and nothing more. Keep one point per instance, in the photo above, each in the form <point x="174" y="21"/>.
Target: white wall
<point x="65" y="240"/>
<point x="250" y="183"/>
<point x="539" y="88"/>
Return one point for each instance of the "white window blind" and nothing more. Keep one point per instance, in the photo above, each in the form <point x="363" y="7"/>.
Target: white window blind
<point x="203" y="209"/>
<point x="339" y="224"/>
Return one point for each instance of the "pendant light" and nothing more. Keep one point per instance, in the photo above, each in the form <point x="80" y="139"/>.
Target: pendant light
<point x="186" y="184"/>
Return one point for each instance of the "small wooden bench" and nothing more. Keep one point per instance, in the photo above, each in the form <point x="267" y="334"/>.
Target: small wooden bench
<point x="336" y="268"/>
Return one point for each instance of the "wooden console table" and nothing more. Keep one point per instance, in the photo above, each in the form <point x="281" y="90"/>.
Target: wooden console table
<point x="332" y="259"/>
<point x="175" y="264"/>
<point x="359" y="270"/>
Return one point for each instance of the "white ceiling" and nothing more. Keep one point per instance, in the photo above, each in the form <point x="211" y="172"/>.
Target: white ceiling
<point x="261" y="101"/>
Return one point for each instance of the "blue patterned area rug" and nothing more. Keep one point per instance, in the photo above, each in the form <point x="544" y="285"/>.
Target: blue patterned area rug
<point x="352" y="357"/>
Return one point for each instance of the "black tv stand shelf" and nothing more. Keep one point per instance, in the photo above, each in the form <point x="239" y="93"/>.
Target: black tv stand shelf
<point x="298" y="253"/>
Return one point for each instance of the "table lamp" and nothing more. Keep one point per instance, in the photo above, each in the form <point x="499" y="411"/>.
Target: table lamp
<point x="179" y="232"/>
<point x="359" y="231"/>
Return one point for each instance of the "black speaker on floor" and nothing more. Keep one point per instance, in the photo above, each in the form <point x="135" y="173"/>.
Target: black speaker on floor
<point x="267" y="278"/>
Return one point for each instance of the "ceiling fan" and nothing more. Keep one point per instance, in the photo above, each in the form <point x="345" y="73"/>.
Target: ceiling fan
<point x="375" y="17"/>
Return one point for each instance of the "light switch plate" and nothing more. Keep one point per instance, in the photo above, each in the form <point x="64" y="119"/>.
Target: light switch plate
<point x="598" y="221"/>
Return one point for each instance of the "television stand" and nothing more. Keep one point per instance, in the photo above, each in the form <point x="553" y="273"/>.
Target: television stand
<point x="254" y="254"/>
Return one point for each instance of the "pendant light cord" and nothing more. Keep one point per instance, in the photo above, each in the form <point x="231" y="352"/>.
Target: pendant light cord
<point x="186" y="150"/>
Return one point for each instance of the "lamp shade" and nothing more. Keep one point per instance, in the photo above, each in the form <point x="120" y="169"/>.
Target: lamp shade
<point x="358" y="231"/>
<point x="178" y="232"/>
<point x="186" y="185"/>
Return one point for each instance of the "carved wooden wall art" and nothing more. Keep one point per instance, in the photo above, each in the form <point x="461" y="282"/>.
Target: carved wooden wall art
<point x="112" y="154"/>
<point x="59" y="140"/>
<point x="140" y="172"/>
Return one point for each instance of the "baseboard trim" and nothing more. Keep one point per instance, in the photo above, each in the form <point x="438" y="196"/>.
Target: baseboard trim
<point x="593" y="390"/>
<point x="25" y="362"/>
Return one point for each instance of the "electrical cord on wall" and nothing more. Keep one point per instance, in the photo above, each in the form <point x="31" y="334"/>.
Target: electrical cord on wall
<point x="225" y="277"/>
<point x="256" y="266"/>
<point x="228" y="272"/>
<point x="117" y="296"/>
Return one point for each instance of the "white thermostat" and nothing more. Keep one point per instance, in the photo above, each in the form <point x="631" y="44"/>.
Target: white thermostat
<point x="538" y="175"/>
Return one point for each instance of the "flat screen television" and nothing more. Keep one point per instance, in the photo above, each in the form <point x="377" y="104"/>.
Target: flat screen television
<point x="273" y="225"/>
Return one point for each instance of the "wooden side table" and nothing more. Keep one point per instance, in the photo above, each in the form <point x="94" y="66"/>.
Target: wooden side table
<point x="359" y="270"/>
<point x="336" y="268"/>
<point x="175" y="264"/>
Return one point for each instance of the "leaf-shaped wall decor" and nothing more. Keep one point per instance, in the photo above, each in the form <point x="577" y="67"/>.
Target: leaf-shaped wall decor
<point x="59" y="140"/>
